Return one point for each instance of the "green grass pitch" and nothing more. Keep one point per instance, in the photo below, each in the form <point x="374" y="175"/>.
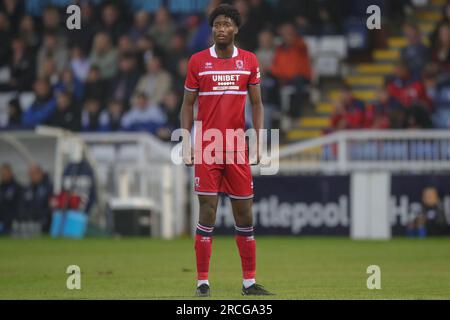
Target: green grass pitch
<point x="292" y="267"/>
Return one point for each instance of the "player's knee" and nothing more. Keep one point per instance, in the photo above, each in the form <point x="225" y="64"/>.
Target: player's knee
<point x="207" y="212"/>
<point x="243" y="217"/>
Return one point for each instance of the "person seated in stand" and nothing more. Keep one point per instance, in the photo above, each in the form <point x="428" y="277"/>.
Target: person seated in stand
<point x="349" y="111"/>
<point x="384" y="113"/>
<point x="111" y="118"/>
<point x="144" y="115"/>
<point x="407" y="90"/>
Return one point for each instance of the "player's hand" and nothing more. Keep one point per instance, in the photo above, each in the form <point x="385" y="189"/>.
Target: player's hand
<point x="188" y="159"/>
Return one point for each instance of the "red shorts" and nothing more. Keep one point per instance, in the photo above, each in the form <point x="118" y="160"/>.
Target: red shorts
<point x="234" y="179"/>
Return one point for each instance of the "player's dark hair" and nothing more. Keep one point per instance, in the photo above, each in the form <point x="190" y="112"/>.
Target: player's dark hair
<point x="228" y="11"/>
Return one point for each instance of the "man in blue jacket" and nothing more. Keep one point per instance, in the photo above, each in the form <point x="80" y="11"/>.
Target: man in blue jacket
<point x="10" y="197"/>
<point x="36" y="198"/>
<point x="43" y="106"/>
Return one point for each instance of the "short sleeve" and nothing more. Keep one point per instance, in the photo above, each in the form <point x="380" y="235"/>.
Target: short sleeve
<point x="254" y="72"/>
<point x="191" y="83"/>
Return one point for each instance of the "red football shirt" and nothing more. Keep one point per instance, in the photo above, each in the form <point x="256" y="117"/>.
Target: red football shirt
<point x="222" y="85"/>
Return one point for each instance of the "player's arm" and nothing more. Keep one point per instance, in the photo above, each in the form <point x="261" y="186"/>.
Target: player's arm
<point x="254" y="92"/>
<point x="187" y="119"/>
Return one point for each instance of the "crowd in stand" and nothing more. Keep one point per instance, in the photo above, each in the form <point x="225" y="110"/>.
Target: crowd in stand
<point x="416" y="96"/>
<point x="112" y="75"/>
<point x="124" y="70"/>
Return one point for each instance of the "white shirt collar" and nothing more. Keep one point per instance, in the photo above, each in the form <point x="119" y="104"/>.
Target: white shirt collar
<point x="212" y="51"/>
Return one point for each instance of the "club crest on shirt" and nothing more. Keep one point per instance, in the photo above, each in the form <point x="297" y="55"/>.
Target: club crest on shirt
<point x="239" y="64"/>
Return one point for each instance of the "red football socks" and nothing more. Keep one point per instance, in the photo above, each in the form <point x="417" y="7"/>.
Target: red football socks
<point x="247" y="250"/>
<point x="203" y="245"/>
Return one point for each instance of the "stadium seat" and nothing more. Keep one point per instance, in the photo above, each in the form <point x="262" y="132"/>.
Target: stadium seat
<point x="326" y="65"/>
<point x="312" y="44"/>
<point x="4" y="99"/>
<point x="333" y="44"/>
<point x="4" y="74"/>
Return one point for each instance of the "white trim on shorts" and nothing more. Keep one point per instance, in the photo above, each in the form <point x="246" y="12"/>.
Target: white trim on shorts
<point x="201" y="193"/>
<point x="240" y="197"/>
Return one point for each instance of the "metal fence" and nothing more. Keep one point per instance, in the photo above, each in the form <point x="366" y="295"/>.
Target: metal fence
<point x="368" y="150"/>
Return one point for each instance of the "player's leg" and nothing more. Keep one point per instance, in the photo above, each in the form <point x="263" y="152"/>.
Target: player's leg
<point x="245" y="241"/>
<point x="207" y="181"/>
<point x="203" y="237"/>
<point x="238" y="184"/>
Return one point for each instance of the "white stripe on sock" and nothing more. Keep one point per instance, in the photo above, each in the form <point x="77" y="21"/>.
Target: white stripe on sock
<point x="248" y="282"/>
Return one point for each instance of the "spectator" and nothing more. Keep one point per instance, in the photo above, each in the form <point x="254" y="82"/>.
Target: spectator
<point x="111" y="22"/>
<point x="36" y="198"/>
<point x="96" y="87"/>
<point x="10" y="196"/>
<point x="144" y="115"/>
<point x="269" y="85"/>
<point x="260" y="11"/>
<point x="79" y="63"/>
<point x="13" y="10"/>
<point x="171" y="107"/>
<point x="327" y="23"/>
<point x="418" y="117"/>
<point x="111" y="118"/>
<point x="124" y="83"/>
<point x="433" y="213"/>
<point x="43" y="107"/>
<point x="5" y="39"/>
<point x="28" y="32"/>
<point x="141" y="23"/>
<point x="266" y="50"/>
<point x="431" y="220"/>
<point x="146" y="50"/>
<point x="177" y="50"/>
<point x="67" y="82"/>
<point x="156" y="82"/>
<point x="66" y="115"/>
<point x="49" y="71"/>
<point x="22" y="68"/>
<point x="441" y="48"/>
<point x="180" y="76"/>
<point x="51" y="22"/>
<point x="162" y="28"/>
<point x="291" y="60"/>
<point x="406" y="89"/>
<point x="52" y="49"/>
<point x="245" y="38"/>
<point x="201" y="37"/>
<point x="104" y="55"/>
<point x="304" y="25"/>
<point x="430" y="79"/>
<point x="14" y="114"/>
<point x="415" y="53"/>
<point x="349" y="111"/>
<point x="90" y="116"/>
<point x="125" y="45"/>
<point x="291" y="67"/>
<point x="385" y="112"/>
<point x="445" y="20"/>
